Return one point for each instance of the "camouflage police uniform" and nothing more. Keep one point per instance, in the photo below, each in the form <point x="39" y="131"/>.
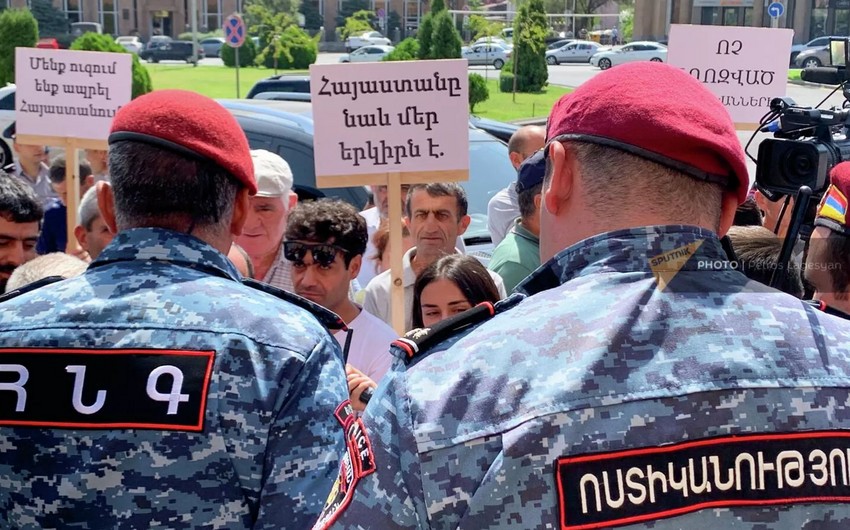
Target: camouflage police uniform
<point x="157" y="391"/>
<point x="643" y="384"/>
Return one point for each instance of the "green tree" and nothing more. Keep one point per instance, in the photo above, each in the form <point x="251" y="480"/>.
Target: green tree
<point x="530" y="30"/>
<point x="478" y="91"/>
<point x="424" y="35"/>
<point x="96" y="42"/>
<point x="294" y="49"/>
<point x="481" y="27"/>
<point x="349" y="7"/>
<point x="406" y="50"/>
<point x="289" y="7"/>
<point x="18" y="28"/>
<point x="445" y="40"/>
<point x="627" y="24"/>
<point x="358" y="23"/>
<point x="438" y="6"/>
<point x="247" y="54"/>
<point x="51" y="21"/>
<point x="312" y="17"/>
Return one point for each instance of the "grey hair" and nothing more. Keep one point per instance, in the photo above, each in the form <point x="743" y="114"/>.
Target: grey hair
<point x="53" y="264"/>
<point x="88" y="210"/>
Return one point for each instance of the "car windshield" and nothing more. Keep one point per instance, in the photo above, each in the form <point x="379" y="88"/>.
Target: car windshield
<point x="490" y="171"/>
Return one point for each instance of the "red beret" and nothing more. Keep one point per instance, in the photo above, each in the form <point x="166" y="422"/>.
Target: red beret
<point x="190" y="124"/>
<point x="832" y="211"/>
<point x="658" y="112"/>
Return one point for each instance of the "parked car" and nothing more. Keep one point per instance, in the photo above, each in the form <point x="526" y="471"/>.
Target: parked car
<point x="367" y="54"/>
<point x="486" y="54"/>
<point x="814" y="44"/>
<point x="78" y="28"/>
<point x="577" y="51"/>
<point x="493" y="40"/>
<point x="131" y="44"/>
<point x="171" y="51"/>
<point x="157" y="40"/>
<point x="47" y="43"/>
<point x="212" y="46"/>
<point x="7" y="119"/>
<point x="281" y="83"/>
<point x="634" y="51"/>
<point x="286" y="128"/>
<point x="812" y="57"/>
<point x="370" y="38"/>
<point x="558" y="44"/>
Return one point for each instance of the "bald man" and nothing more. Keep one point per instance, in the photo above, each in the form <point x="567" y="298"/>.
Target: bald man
<point x="503" y="208"/>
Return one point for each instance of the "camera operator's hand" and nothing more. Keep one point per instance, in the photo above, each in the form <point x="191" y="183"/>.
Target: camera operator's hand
<point x="358" y="382"/>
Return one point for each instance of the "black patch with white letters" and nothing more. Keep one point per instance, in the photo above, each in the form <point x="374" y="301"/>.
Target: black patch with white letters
<point x="626" y="487"/>
<point x="104" y="389"/>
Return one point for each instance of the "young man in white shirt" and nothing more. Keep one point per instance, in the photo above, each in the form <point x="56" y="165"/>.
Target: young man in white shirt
<point x="324" y="243"/>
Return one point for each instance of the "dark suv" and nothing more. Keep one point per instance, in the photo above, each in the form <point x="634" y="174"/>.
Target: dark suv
<point x="281" y="83"/>
<point x="286" y="128"/>
<point x="177" y="50"/>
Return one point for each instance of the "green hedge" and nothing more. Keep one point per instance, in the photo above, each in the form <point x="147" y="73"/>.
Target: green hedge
<point x="478" y="91"/>
<point x="296" y="51"/>
<point x="247" y="54"/>
<point x="18" y="28"/>
<point x="96" y="42"/>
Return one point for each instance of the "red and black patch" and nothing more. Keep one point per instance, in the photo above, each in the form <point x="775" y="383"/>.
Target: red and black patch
<point x="357" y="462"/>
<point x="636" y="485"/>
<point x="104" y="389"/>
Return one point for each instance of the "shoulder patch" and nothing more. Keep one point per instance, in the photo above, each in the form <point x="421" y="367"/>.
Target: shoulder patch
<point x="328" y="318"/>
<point x="64" y="388"/>
<point x="645" y="484"/>
<point x="357" y="462"/>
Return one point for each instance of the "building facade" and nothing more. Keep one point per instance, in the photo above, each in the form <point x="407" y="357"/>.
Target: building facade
<point x="808" y="18"/>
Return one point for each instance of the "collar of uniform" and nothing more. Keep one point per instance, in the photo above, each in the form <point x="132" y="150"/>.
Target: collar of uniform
<point x="159" y="244"/>
<point x="523" y="232"/>
<point x="628" y="250"/>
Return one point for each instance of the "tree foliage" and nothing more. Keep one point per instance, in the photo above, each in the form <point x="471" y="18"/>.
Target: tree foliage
<point x="312" y="18"/>
<point x="18" y="28"/>
<point x="358" y="23"/>
<point x="247" y="54"/>
<point x="426" y="31"/>
<point x="349" y="7"/>
<point x="445" y="40"/>
<point x="406" y="50"/>
<point x="478" y="91"/>
<point x="479" y="26"/>
<point x="294" y="49"/>
<point x="530" y="30"/>
<point x="51" y="21"/>
<point x="96" y="42"/>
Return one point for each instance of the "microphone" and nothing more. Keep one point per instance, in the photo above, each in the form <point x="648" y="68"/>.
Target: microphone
<point x="824" y="74"/>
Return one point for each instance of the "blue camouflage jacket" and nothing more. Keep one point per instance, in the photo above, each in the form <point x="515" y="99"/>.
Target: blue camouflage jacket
<point x="157" y="391"/>
<point x="645" y="383"/>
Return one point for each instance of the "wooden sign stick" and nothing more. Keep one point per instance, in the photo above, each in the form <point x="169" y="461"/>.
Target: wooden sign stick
<point x="397" y="302"/>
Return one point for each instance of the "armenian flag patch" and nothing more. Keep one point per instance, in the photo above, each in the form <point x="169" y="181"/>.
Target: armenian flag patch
<point x="834" y="206"/>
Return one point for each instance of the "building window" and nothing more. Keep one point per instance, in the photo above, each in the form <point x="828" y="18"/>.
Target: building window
<point x="73" y="10"/>
<point x="710" y="16"/>
<point x="820" y="11"/>
<point x="211" y="15"/>
<point x="108" y="16"/>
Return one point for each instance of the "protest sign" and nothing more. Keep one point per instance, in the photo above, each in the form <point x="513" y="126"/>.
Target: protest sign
<point x="744" y="67"/>
<point x="390" y="123"/>
<point x="68" y="99"/>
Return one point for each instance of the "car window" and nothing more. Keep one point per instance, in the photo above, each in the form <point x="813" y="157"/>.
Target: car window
<point x="823" y="41"/>
<point x="584" y="46"/>
<point x="375" y="50"/>
<point x="628" y="48"/>
<point x="8" y="102"/>
<point x="490" y="171"/>
<point x="569" y="47"/>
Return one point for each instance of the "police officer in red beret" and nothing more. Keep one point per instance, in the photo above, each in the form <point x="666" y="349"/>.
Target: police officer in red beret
<point x="643" y="382"/>
<point x="157" y="390"/>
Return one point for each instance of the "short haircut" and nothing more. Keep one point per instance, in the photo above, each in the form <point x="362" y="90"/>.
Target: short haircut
<point x="618" y="182"/>
<point x="57" y="170"/>
<point x="518" y="140"/>
<point x="836" y="253"/>
<point x="88" y="210"/>
<point x="440" y="189"/>
<point x="328" y="221"/>
<point x="155" y="187"/>
<point x="470" y="276"/>
<point x="525" y="200"/>
<point x="53" y="264"/>
<point x="758" y="250"/>
<point x="749" y="214"/>
<point x="18" y="202"/>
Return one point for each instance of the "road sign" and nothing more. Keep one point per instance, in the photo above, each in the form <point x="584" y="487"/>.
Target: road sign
<point x="776" y="9"/>
<point x="381" y="13"/>
<point x="234" y="31"/>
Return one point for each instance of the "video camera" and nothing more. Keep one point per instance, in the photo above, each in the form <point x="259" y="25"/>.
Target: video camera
<point x="807" y="141"/>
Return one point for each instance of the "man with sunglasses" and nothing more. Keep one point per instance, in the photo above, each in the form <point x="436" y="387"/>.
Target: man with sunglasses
<point x="325" y="241"/>
<point x="644" y="382"/>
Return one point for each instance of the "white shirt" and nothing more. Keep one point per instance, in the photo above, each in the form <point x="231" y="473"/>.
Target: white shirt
<point x="378" y="291"/>
<point x="502" y="211"/>
<point x="369" y="351"/>
<point x="369" y="269"/>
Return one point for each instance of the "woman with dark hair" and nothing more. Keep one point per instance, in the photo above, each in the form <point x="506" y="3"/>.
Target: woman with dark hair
<point x="449" y="286"/>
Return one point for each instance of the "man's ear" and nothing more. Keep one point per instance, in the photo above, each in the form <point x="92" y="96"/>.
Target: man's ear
<point x="729" y="206"/>
<point x="106" y="205"/>
<point x="516" y="158"/>
<point x="293" y="200"/>
<point x="241" y="206"/>
<point x="463" y="224"/>
<point x="562" y="172"/>
<point x="354" y="266"/>
<point x="81" y="235"/>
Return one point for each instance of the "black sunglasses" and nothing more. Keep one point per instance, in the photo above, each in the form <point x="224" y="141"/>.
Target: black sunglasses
<point x="322" y="253"/>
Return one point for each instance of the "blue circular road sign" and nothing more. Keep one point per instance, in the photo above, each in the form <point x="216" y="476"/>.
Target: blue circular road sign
<point x="776" y="9"/>
<point x="234" y="31"/>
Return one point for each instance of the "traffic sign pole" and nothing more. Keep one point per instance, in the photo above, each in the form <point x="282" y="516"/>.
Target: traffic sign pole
<point x="234" y="36"/>
<point x="775" y="10"/>
<point x="236" y="51"/>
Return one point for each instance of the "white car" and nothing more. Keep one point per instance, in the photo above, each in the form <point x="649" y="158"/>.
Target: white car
<point x="131" y="44"/>
<point x="7" y="118"/>
<point x="367" y="54"/>
<point x="486" y="55"/>
<point x="634" y="51"/>
<point x="493" y="40"/>
<point x="577" y="51"/>
<point x="370" y="38"/>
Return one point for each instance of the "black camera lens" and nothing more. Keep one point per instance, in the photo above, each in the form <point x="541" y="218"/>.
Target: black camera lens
<point x="799" y="164"/>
